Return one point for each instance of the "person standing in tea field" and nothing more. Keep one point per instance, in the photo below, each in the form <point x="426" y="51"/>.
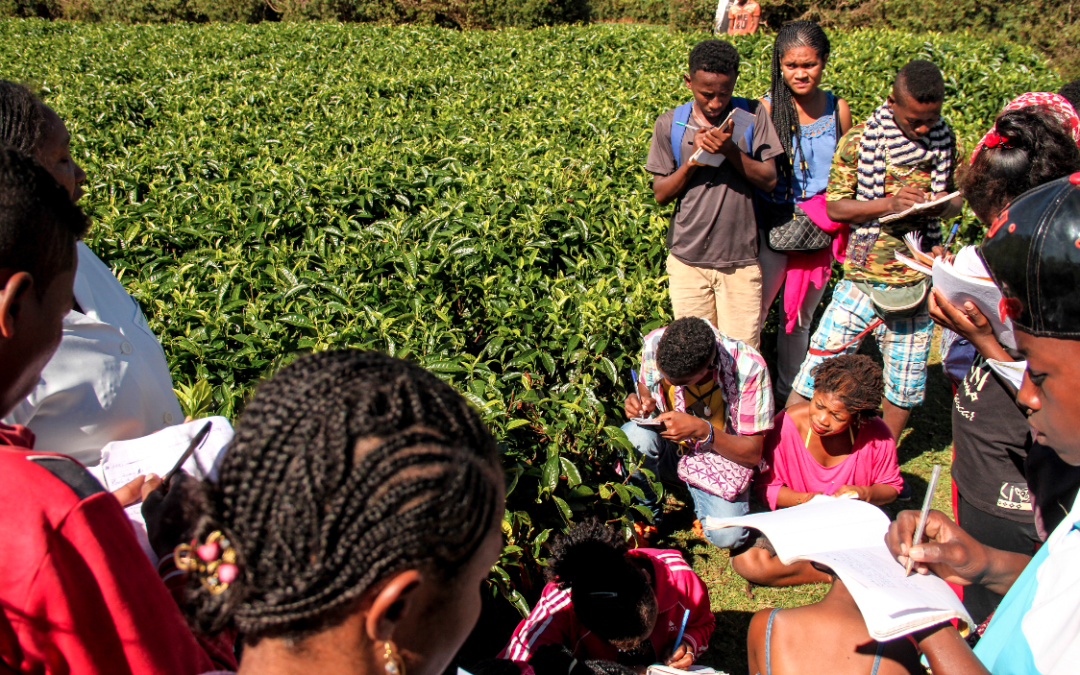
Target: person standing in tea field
<point x="903" y="155"/>
<point x="109" y="379"/>
<point x="809" y="121"/>
<point x="744" y="16"/>
<point x="712" y="265"/>
<point x="715" y="404"/>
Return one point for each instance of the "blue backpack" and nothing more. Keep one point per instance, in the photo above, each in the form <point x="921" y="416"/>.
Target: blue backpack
<point x="682" y="114"/>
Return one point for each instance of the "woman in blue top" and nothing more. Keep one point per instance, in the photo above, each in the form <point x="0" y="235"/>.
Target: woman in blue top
<point x="809" y="121"/>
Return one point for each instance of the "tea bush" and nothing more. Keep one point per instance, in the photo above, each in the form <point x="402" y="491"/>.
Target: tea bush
<point x="474" y="201"/>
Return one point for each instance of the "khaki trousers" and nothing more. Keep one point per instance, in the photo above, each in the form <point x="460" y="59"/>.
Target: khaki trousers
<point x="730" y="298"/>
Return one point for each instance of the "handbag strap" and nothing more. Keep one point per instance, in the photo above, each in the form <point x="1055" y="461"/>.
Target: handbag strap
<point x="833" y="352"/>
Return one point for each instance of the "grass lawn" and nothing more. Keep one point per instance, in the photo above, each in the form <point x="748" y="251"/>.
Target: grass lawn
<point x="926" y="441"/>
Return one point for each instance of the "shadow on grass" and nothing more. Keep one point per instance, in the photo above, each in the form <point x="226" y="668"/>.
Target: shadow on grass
<point x="727" y="648"/>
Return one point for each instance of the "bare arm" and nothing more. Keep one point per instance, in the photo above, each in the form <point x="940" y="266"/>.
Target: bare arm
<point x="844" y="111"/>
<point x="744" y="450"/>
<point x="952" y="554"/>
<point x="667" y="188"/>
<point x="787" y="497"/>
<point x="858" y="211"/>
<point x="948" y="653"/>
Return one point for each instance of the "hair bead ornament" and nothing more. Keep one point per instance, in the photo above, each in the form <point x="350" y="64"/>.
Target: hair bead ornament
<point x="213" y="562"/>
<point x="996" y="140"/>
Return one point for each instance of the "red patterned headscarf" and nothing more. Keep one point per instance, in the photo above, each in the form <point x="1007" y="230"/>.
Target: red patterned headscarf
<point x="1055" y="104"/>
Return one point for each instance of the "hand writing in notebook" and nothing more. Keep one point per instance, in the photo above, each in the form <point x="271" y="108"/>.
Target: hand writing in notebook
<point x="906" y="198"/>
<point x="681" y="658"/>
<point x="716" y="140"/>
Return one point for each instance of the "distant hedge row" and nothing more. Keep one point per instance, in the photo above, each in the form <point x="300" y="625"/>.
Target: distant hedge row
<point x="1052" y="26"/>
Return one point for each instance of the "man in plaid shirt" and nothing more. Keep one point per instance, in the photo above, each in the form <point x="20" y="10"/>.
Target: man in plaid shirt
<point x="714" y="400"/>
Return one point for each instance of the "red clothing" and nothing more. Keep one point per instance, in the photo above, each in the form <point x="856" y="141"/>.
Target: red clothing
<point x="677" y="587"/>
<point x="78" y="594"/>
<point x="872" y="461"/>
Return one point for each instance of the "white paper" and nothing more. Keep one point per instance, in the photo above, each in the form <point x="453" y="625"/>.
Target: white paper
<point x="647" y="421"/>
<point x="918" y="208"/>
<point x="742" y="120"/>
<point x="660" y="669"/>
<point x="849" y="537"/>
<point x="1012" y="371"/>
<point x="123" y="461"/>
<point x="965" y="279"/>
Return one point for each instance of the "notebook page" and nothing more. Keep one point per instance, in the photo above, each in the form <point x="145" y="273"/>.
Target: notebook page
<point x="822" y="524"/>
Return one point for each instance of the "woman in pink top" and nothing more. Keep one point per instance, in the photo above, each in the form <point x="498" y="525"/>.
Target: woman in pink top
<point x="835" y="444"/>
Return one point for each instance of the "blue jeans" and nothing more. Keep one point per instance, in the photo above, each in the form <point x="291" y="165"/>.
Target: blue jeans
<point x="660" y="456"/>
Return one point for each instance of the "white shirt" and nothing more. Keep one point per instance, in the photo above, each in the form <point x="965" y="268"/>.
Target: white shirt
<point x="1036" y="628"/>
<point x="108" y="380"/>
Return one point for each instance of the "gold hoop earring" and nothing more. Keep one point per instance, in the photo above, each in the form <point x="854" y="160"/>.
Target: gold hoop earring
<point x="394" y="665"/>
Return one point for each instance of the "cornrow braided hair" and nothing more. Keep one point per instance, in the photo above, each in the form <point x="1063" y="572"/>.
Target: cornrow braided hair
<point x="22" y="117"/>
<point x="347" y="466"/>
<point x="856" y="380"/>
<point x="784" y="114"/>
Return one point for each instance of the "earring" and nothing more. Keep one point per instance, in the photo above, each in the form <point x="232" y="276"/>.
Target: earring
<point x="394" y="664"/>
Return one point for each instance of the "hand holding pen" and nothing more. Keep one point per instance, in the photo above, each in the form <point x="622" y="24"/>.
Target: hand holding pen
<point x="638" y="404"/>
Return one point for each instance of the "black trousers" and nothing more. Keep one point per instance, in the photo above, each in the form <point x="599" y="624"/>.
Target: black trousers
<point x="1000" y="533"/>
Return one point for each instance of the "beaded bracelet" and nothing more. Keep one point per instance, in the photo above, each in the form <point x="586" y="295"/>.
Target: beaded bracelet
<point x="708" y="439"/>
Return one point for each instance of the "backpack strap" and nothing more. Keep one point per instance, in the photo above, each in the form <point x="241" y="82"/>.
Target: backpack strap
<point x="681" y="116"/>
<point x="70" y="473"/>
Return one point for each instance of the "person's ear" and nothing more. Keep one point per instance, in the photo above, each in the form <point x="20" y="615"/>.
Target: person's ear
<point x="391" y="604"/>
<point x="13" y="290"/>
<point x="686" y="79"/>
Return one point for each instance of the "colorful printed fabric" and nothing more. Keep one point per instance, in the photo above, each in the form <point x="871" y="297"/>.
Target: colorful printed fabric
<point x="904" y="345"/>
<point x="1055" y="104"/>
<point x="743" y="378"/>
<point x="880" y="264"/>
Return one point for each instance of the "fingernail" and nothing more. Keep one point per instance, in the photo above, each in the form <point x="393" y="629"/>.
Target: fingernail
<point x="151" y="476"/>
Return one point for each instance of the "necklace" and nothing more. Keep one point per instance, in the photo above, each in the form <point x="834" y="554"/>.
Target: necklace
<point x="896" y="170"/>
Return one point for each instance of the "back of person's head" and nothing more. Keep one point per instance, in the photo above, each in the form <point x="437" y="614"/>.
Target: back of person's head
<point x="791" y="36"/>
<point x="22" y="118"/>
<point x="611" y="596"/>
<point x="856" y="380"/>
<point x="347" y="467"/>
<point x="1071" y="92"/>
<point x="39" y="224"/>
<point x="921" y="81"/>
<point x="1028" y="147"/>
<point x="714" y="56"/>
<point x="687" y="345"/>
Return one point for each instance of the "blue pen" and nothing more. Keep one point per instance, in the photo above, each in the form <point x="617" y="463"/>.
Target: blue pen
<point x="682" y="629"/>
<point x="952" y="234"/>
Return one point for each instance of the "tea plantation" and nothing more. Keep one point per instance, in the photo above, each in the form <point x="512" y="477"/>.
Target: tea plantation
<point x="474" y="201"/>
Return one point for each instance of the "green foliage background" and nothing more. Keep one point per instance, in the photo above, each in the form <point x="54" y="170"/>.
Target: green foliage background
<point x="474" y="201"/>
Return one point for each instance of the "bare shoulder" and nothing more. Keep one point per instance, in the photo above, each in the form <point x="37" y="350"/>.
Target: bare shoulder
<point x="844" y="110"/>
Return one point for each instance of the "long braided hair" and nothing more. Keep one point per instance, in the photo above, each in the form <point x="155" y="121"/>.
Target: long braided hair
<point x="784" y="115"/>
<point x="22" y="118"/>
<point x="347" y="466"/>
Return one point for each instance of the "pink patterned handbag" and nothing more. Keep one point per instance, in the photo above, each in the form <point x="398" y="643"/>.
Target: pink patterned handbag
<point x="715" y="474"/>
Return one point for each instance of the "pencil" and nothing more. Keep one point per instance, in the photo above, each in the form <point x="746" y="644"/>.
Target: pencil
<point x="922" y="516"/>
<point x="688" y="126"/>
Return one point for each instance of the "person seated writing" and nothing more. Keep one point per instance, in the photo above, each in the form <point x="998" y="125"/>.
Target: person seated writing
<point x="715" y="403"/>
<point x="824" y="637"/>
<point x="354" y="522"/>
<point x="605" y="601"/>
<point x="77" y="594"/>
<point x="833" y="445"/>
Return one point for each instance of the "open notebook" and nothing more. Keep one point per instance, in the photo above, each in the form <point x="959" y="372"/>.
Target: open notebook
<point x="848" y="536"/>
<point x="123" y="461"/>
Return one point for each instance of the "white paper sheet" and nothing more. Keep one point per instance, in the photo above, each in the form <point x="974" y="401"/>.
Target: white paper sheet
<point x="123" y="461"/>
<point x="966" y="279"/>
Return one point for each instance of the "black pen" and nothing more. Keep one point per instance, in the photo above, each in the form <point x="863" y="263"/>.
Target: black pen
<point x="192" y="447"/>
